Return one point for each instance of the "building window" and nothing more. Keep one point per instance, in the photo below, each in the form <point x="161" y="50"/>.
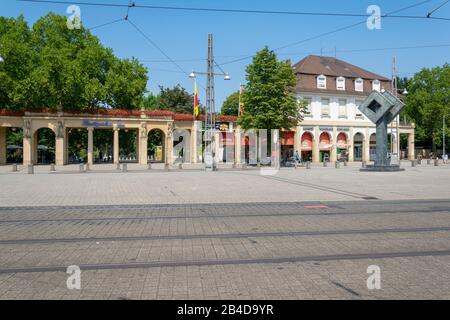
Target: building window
<point x="342" y="108"/>
<point x="358" y="113"/>
<point x="308" y="104"/>
<point x="326" y="108"/>
<point x="340" y="83"/>
<point x="376" y="85"/>
<point x="321" y="82"/>
<point x="359" y="85"/>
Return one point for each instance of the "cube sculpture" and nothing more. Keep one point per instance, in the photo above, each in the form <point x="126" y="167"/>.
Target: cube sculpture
<point x="381" y="109"/>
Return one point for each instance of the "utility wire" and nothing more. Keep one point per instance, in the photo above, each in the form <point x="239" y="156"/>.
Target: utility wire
<point x="431" y="12"/>
<point x="107" y="24"/>
<point x="222" y="10"/>
<point x="156" y="46"/>
<point x="315" y="52"/>
<point x="329" y="32"/>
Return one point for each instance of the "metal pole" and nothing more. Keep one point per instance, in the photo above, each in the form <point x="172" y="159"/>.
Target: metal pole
<point x="443" y="137"/>
<point x="210" y="109"/>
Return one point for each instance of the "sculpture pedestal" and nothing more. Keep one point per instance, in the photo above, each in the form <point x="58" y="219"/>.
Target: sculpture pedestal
<point x="381" y="168"/>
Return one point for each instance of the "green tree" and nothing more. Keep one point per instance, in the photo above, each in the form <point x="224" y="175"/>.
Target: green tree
<point x="176" y="99"/>
<point x="52" y="66"/>
<point x="230" y="106"/>
<point x="269" y="95"/>
<point x="150" y="102"/>
<point x="427" y="103"/>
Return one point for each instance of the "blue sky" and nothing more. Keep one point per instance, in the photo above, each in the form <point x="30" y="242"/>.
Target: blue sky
<point x="183" y="35"/>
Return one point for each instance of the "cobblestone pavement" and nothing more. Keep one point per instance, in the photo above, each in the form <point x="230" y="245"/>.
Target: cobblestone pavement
<point x="254" y="250"/>
<point x="106" y="186"/>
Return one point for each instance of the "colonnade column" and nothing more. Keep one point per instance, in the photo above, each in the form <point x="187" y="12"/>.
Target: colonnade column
<point x="333" y="156"/>
<point x="169" y="145"/>
<point x="351" y="147"/>
<point x="2" y="145"/>
<point x="90" y="155"/>
<point x="366" y="149"/>
<point x="298" y="140"/>
<point x="237" y="146"/>
<point x="195" y="136"/>
<point x="61" y="144"/>
<point x="116" y="145"/>
<point x="315" y="150"/>
<point x="411" y="146"/>
<point x="143" y="144"/>
<point x="27" y="144"/>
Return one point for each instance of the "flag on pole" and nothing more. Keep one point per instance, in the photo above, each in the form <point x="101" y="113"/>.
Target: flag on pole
<point x="196" y="109"/>
<point x="241" y="103"/>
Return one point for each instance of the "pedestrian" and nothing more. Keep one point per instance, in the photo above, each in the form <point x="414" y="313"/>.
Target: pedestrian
<point x="297" y="159"/>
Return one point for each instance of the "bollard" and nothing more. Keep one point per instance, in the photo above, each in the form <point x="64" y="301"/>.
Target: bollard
<point x="428" y="161"/>
<point x="14" y="167"/>
<point x="345" y="163"/>
<point x="413" y="163"/>
<point x="81" y="168"/>
<point x="52" y="167"/>
<point x="436" y="162"/>
<point x="419" y="161"/>
<point x="364" y="164"/>
<point x="149" y="166"/>
<point x="308" y="165"/>
<point x="124" y="167"/>
<point x="337" y="165"/>
<point x="30" y="169"/>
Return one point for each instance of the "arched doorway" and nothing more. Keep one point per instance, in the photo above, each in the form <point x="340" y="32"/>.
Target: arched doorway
<point x="14" y="145"/>
<point x="324" y="146"/>
<point x="307" y="144"/>
<point x="373" y="147"/>
<point x="44" y="140"/>
<point x="342" y="147"/>
<point x="103" y="146"/>
<point x="128" y="141"/>
<point x="156" y="146"/>
<point x="358" y="143"/>
<point x="77" y="145"/>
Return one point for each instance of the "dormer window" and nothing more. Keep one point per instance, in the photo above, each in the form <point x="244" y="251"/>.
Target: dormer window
<point x="376" y="85"/>
<point x="340" y="83"/>
<point x="321" y="82"/>
<point x="359" y="85"/>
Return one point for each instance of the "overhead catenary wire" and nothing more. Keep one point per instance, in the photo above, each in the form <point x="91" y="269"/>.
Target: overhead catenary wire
<point x="330" y="32"/>
<point x="316" y="52"/>
<point x="223" y="10"/>
<point x="433" y="11"/>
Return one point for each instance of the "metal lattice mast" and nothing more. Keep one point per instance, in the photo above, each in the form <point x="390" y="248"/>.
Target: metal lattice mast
<point x="210" y="107"/>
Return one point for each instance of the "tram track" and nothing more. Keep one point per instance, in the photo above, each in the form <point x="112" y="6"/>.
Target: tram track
<point x="224" y="235"/>
<point x="217" y="262"/>
<point x="322" y="212"/>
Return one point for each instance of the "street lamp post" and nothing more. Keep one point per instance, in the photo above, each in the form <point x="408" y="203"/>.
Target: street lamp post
<point x="444" y="149"/>
<point x="210" y="105"/>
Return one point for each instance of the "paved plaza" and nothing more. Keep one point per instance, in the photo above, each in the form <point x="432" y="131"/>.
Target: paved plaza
<point x="301" y="234"/>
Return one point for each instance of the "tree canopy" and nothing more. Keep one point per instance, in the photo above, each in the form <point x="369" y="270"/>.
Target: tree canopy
<point x="269" y="95"/>
<point x="175" y="99"/>
<point x="51" y="66"/>
<point x="427" y="103"/>
<point x="230" y="106"/>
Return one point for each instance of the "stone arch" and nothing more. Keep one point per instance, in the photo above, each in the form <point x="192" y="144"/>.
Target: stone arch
<point x="43" y="145"/>
<point x="156" y="146"/>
